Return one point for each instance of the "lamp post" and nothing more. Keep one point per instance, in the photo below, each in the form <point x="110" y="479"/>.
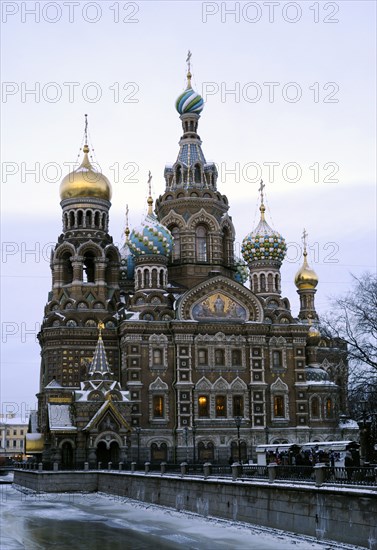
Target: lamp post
<point x="238" y="420"/>
<point x="364" y="432"/>
<point x="194" y="443"/>
<point x="138" y="430"/>
<point x="185" y="431"/>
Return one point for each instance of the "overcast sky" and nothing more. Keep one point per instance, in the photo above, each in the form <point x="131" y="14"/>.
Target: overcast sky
<point x="290" y="95"/>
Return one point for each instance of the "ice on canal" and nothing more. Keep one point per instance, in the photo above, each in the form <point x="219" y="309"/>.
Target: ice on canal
<point x="77" y="521"/>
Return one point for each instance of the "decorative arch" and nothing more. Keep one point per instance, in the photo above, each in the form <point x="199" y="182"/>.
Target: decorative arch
<point x="63" y="248"/>
<point x="203" y="218"/>
<point x="174" y="219"/>
<point x="90" y="246"/>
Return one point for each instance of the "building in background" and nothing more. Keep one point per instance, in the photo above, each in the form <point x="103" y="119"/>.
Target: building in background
<point x="12" y="438"/>
<point x="198" y="355"/>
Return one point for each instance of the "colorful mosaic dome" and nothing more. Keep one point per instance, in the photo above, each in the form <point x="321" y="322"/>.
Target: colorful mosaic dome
<point x="242" y="273"/>
<point x="150" y="238"/>
<point x="189" y="102"/>
<point x="264" y="243"/>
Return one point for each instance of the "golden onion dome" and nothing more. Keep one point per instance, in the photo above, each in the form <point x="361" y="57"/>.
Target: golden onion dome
<point x="306" y="278"/>
<point x="85" y="181"/>
<point x="314" y="334"/>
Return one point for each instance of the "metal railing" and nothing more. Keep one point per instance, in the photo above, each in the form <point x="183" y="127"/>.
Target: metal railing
<point x="319" y="474"/>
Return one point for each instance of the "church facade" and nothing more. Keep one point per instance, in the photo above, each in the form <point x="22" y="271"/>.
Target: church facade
<point x="171" y="348"/>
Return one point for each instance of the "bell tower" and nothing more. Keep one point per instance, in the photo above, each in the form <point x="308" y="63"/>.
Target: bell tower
<point x="85" y="279"/>
<point x="191" y="206"/>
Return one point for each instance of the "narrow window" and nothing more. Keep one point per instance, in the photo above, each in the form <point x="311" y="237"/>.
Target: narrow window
<point x="220" y="406"/>
<point x="279" y="406"/>
<point x="158" y="406"/>
<point x="157" y="356"/>
<point x="219" y="357"/>
<point x="176" y="243"/>
<point x="201" y="243"/>
<point x="202" y="357"/>
<point x="238" y="405"/>
<point x="203" y="406"/>
<point x="236" y="357"/>
<point x="276" y="359"/>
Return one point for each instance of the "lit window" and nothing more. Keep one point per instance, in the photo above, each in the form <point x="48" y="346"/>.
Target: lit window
<point x="237" y="405"/>
<point x="220" y="405"/>
<point x="279" y="406"/>
<point x="158" y="406"/>
<point x="329" y="408"/>
<point x="203" y="405"/>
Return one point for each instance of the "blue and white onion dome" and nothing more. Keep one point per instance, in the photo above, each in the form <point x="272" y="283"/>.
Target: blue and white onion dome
<point x="264" y="243"/>
<point x="151" y="237"/>
<point x="127" y="261"/>
<point x="189" y="101"/>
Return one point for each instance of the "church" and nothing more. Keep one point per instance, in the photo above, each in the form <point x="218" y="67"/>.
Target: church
<point x="171" y="348"/>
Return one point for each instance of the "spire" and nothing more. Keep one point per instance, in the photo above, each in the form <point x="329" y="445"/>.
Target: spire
<point x="150" y="200"/>
<point x="99" y="363"/>
<point x="127" y="229"/>
<point x="86" y="146"/>
<point x="262" y="208"/>
<point x="189" y="75"/>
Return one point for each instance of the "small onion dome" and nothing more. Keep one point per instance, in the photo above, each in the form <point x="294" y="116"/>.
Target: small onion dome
<point x="306" y="278"/>
<point x="313" y="336"/>
<point x="316" y="374"/>
<point x="151" y="238"/>
<point x="127" y="263"/>
<point x="242" y="273"/>
<point x="85" y="181"/>
<point x="189" y="101"/>
<point x="264" y="243"/>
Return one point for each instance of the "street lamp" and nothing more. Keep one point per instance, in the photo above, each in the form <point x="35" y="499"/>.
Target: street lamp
<point x="238" y="420"/>
<point x="364" y="425"/>
<point x="185" y="431"/>
<point x="138" y="430"/>
<point x="194" y="443"/>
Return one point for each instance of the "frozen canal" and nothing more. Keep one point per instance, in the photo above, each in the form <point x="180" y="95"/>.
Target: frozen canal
<point x="99" y="522"/>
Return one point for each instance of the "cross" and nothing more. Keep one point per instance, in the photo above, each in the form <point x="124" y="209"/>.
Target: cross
<point x="150" y="182"/>
<point x="189" y="54"/>
<point x="101" y="326"/>
<point x="304" y="235"/>
<point x="86" y="129"/>
<point x="261" y="187"/>
<point x="126" y="215"/>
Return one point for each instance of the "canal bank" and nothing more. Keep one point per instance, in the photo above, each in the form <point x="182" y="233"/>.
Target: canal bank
<point x="343" y="514"/>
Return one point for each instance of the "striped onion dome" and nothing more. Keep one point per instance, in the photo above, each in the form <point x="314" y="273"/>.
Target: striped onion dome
<point x="189" y="101"/>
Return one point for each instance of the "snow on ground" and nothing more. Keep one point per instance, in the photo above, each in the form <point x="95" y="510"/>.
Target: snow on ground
<point x="95" y="521"/>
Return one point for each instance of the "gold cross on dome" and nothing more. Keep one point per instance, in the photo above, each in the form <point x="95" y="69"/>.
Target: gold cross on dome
<point x="304" y="235"/>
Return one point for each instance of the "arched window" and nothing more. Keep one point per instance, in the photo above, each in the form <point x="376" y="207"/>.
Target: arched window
<point x="263" y="282"/>
<point x="79" y="217"/>
<point x="277" y="283"/>
<point x="96" y="219"/>
<point x="154" y="278"/>
<point x="176" y="243"/>
<point x="203" y="406"/>
<point x="158" y="406"/>
<point x="329" y="408"/>
<point x="71" y="219"/>
<point x="220" y="408"/>
<point x="178" y="175"/>
<point x="279" y="406"/>
<point x="89" y="267"/>
<point x="197" y="174"/>
<point x="146" y="278"/>
<point x="67" y="268"/>
<point x="270" y="282"/>
<point x="201" y="243"/>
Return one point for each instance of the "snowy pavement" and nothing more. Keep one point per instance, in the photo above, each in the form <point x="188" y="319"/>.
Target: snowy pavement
<point x="95" y="521"/>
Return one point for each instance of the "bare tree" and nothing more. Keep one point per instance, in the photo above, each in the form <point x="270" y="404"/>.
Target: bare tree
<point x="353" y="319"/>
